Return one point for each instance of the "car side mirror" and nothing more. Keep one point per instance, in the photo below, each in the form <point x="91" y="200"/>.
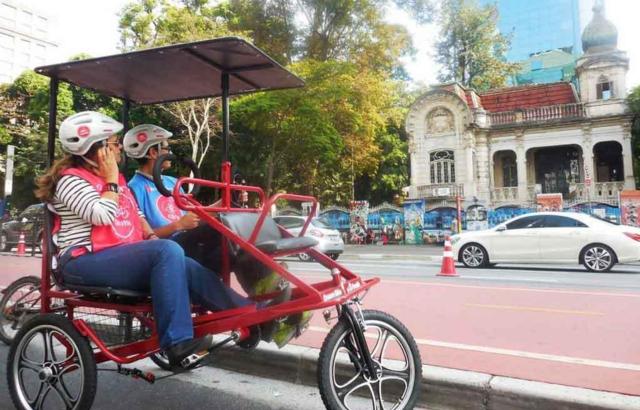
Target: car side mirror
<point x="501" y="228"/>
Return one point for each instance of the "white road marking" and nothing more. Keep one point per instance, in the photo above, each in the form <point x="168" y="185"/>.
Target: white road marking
<point x="510" y="279"/>
<point x="519" y="353"/>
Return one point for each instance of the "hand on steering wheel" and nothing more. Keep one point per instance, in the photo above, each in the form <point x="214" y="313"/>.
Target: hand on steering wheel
<point x="157" y="173"/>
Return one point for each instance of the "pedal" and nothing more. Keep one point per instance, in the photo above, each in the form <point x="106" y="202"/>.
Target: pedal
<point x="193" y="359"/>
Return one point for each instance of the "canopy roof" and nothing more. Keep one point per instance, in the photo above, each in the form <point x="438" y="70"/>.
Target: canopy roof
<point x="177" y="72"/>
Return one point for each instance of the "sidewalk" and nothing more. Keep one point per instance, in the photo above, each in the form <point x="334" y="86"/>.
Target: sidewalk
<point x="441" y="388"/>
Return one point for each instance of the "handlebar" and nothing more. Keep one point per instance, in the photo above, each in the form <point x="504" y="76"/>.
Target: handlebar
<point x="157" y="173"/>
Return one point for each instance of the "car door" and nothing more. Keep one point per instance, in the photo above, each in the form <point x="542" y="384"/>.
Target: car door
<point x="518" y="242"/>
<point x="561" y="238"/>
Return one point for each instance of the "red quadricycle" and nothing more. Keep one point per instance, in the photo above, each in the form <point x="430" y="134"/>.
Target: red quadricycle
<point x="368" y="360"/>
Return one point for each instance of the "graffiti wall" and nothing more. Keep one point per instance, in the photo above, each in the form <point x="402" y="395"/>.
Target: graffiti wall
<point x="413" y="221"/>
<point x="549" y="202"/>
<point x="358" y="218"/>
<point x="630" y="208"/>
<point x="387" y="223"/>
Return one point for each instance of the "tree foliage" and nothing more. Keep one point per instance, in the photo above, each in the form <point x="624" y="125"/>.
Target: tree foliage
<point x="633" y="101"/>
<point x="470" y="49"/>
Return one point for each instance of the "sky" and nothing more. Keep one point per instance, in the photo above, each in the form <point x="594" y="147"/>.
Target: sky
<point x="90" y="26"/>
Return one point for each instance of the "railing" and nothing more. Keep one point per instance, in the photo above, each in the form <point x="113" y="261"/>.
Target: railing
<point x="504" y="194"/>
<point x="440" y="191"/>
<point x="606" y="192"/>
<point x="539" y="114"/>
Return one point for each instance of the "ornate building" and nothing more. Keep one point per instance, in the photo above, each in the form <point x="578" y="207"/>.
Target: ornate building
<point x="504" y="146"/>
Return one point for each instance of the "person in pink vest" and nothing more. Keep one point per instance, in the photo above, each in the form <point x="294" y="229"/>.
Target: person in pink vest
<point x="104" y="240"/>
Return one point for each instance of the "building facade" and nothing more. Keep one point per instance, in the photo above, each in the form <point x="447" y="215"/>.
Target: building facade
<point x="25" y="40"/>
<point x="503" y="147"/>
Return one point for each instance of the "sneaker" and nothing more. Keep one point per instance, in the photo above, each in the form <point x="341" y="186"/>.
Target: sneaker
<point x="292" y="327"/>
<point x="180" y="351"/>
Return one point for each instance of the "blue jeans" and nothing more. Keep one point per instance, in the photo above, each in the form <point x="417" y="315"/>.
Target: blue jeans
<point x="161" y="267"/>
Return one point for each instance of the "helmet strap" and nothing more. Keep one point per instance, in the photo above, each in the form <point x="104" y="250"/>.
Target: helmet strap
<point x="90" y="162"/>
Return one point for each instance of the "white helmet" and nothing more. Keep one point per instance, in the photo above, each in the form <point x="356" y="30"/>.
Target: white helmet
<point x="80" y="131"/>
<point x="139" y="139"/>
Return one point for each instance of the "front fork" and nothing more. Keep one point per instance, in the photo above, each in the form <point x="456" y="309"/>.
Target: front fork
<point x="351" y="314"/>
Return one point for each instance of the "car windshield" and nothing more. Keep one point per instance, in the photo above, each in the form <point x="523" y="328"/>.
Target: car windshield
<point x="321" y="223"/>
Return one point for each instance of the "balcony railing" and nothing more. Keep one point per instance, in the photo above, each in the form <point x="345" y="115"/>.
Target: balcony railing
<point x="538" y="115"/>
<point x="440" y="191"/>
<point x="606" y="192"/>
<point x="504" y="194"/>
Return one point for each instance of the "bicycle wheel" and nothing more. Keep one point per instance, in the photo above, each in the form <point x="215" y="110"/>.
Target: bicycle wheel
<point x="344" y="379"/>
<point x="51" y="366"/>
<point x="20" y="302"/>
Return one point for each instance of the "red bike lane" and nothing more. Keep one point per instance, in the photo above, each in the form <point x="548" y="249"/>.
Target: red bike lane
<point x="570" y="337"/>
<point x="573" y="337"/>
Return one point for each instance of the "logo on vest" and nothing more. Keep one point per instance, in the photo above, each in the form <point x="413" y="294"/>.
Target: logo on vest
<point x="167" y="207"/>
<point x="122" y="226"/>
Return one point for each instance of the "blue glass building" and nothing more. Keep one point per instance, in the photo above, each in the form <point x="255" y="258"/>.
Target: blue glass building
<point x="539" y="26"/>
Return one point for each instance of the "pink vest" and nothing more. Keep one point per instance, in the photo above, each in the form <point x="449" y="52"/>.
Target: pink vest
<point x="126" y="228"/>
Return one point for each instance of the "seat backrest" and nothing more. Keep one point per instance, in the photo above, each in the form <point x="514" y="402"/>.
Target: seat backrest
<point x="243" y="223"/>
<point x="52" y="248"/>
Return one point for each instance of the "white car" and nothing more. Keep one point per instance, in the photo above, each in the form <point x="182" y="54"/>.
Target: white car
<point x="550" y="237"/>
<point x="329" y="240"/>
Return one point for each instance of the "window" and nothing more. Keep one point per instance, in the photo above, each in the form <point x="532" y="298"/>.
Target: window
<point x="442" y="166"/>
<point x="556" y="221"/>
<point x="8" y="15"/>
<point x="509" y="172"/>
<point x="526" y="223"/>
<point x="321" y="223"/>
<point x="604" y="89"/>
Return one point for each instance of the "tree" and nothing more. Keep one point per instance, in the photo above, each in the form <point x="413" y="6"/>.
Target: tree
<point x="151" y="23"/>
<point x="470" y="48"/>
<point x="319" y="139"/>
<point x="633" y="100"/>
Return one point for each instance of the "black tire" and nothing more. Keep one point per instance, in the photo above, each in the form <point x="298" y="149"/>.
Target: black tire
<point x="62" y="369"/>
<point x="473" y="255"/>
<point x="340" y="340"/>
<point x="161" y="360"/>
<point x="20" y="301"/>
<point x="334" y="256"/>
<point x="598" y="258"/>
<point x="304" y="257"/>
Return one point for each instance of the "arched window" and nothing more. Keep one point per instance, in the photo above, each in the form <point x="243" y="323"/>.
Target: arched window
<point x="604" y="88"/>
<point x="509" y="172"/>
<point x="443" y="169"/>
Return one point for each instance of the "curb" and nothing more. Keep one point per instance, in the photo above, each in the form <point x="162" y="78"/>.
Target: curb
<point x="441" y="388"/>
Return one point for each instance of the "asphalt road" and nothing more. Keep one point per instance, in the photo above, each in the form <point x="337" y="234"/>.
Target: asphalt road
<point x="558" y="324"/>
<point x="208" y="388"/>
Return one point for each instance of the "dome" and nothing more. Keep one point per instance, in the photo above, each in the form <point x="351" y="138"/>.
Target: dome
<point x="600" y="34"/>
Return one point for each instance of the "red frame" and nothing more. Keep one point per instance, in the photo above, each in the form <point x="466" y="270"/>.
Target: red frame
<point x="341" y="287"/>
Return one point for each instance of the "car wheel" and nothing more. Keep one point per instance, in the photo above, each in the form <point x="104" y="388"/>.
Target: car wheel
<point x="598" y="258"/>
<point x="304" y="257"/>
<point x="474" y="256"/>
<point x="334" y="256"/>
<point x="3" y="242"/>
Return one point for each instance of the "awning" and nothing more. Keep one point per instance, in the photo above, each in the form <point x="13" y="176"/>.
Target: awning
<point x="177" y="72"/>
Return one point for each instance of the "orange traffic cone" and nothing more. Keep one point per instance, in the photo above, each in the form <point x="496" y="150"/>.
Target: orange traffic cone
<point x="21" y="245"/>
<point x="448" y="264"/>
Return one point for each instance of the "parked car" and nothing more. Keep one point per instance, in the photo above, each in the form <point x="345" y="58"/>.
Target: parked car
<point x="550" y="237"/>
<point x="330" y="241"/>
<point x="29" y="221"/>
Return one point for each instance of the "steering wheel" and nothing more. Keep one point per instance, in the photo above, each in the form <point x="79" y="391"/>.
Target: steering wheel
<point x="157" y="173"/>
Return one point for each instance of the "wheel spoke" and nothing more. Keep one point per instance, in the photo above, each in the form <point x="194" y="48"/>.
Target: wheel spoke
<point x="344" y="396"/>
<point x="63" y="393"/>
<point x="30" y="364"/>
<point x="38" y="402"/>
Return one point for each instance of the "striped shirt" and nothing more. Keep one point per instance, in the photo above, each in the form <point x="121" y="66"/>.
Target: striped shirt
<point x="80" y="206"/>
